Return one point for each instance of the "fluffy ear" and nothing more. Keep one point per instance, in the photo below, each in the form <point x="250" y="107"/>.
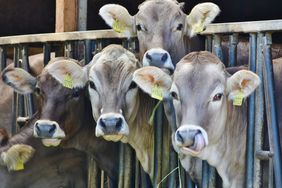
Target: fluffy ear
<point x="243" y="82"/>
<point x="20" y="80"/>
<point x="153" y="80"/>
<point x="118" y="18"/>
<point x="200" y="16"/>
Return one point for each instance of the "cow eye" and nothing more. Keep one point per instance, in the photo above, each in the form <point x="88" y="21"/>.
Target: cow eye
<point x="138" y="27"/>
<point x="92" y="85"/>
<point x="217" y="97"/>
<point x="179" y="27"/>
<point x="174" y="95"/>
<point x="133" y="85"/>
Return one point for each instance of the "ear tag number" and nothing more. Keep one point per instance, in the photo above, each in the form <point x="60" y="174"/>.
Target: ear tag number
<point x="19" y="165"/>
<point x="238" y="99"/>
<point x="118" y="26"/>
<point x="157" y="93"/>
<point x="68" y="81"/>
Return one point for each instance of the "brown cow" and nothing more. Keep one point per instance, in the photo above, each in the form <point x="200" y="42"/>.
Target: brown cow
<point x="64" y="116"/>
<point x="121" y="110"/>
<point x="162" y="28"/>
<point x="50" y="167"/>
<point x="211" y="119"/>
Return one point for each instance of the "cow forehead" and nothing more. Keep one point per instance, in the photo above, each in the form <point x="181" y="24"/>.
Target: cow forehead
<point x="67" y="71"/>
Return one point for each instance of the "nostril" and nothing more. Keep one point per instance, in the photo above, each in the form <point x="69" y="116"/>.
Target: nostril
<point x="52" y="128"/>
<point x="179" y="137"/>
<point x="148" y="57"/>
<point x="119" y="123"/>
<point x="164" y="57"/>
<point x="102" y="123"/>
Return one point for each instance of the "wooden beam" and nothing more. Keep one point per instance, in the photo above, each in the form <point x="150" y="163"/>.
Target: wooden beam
<point x="66" y="15"/>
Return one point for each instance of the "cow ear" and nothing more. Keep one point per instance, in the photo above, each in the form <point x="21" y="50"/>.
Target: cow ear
<point x="118" y="18"/>
<point x="242" y="83"/>
<point x="200" y="16"/>
<point x="153" y="80"/>
<point x="20" y="80"/>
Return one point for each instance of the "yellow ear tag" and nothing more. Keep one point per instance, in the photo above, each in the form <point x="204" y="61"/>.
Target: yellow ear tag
<point x="68" y="81"/>
<point x="157" y="93"/>
<point x="19" y="165"/>
<point x="238" y="99"/>
<point x="118" y="26"/>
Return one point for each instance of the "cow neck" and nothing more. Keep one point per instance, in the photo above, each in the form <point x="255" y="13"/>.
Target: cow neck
<point x="141" y="136"/>
<point x="232" y="147"/>
<point x="105" y="153"/>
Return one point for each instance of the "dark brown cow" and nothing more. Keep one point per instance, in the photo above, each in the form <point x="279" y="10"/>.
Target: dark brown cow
<point x="211" y="112"/>
<point x="121" y="110"/>
<point x="162" y="28"/>
<point x="65" y="114"/>
<point x="50" y="167"/>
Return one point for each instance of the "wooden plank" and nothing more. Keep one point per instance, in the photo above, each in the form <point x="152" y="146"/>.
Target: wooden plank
<point x="57" y="37"/>
<point x="243" y="27"/>
<point x="66" y="15"/>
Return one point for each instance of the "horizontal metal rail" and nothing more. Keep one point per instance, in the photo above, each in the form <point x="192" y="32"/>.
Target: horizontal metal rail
<point x="244" y="27"/>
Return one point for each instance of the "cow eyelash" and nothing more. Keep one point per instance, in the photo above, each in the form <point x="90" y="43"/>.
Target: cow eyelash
<point x="179" y="27"/>
<point x="217" y="97"/>
<point x="174" y="95"/>
<point x="92" y="85"/>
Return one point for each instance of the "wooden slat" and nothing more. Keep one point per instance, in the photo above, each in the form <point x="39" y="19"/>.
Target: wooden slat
<point x="66" y="15"/>
<point x="64" y="36"/>
<point x="244" y="27"/>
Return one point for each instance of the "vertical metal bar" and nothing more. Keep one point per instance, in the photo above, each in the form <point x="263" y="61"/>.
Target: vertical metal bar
<point x="3" y="58"/>
<point x="94" y="173"/>
<point x="82" y="15"/>
<point x="137" y="174"/>
<point x="217" y="48"/>
<point x="121" y="166"/>
<point x="233" y="41"/>
<point x="128" y="170"/>
<point x="271" y="108"/>
<point x="87" y="51"/>
<point x="46" y="53"/>
<point x="158" y="129"/>
<point x="208" y="43"/>
<point x="68" y="49"/>
<point x="205" y="174"/>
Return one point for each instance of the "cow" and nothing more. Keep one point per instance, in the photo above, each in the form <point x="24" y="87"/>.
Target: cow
<point x="64" y="115"/>
<point x="121" y="110"/>
<point x="163" y="30"/>
<point x="50" y="167"/>
<point x="211" y="111"/>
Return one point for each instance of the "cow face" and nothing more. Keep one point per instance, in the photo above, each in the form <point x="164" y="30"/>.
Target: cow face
<point x="112" y="93"/>
<point x="60" y="89"/>
<point x="203" y="92"/>
<point x="162" y="28"/>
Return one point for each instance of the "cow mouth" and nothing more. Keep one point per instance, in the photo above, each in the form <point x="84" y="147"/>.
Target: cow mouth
<point x="51" y="142"/>
<point x="198" y="145"/>
<point x="113" y="137"/>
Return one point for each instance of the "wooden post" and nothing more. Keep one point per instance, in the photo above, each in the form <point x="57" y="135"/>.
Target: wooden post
<point x="66" y="15"/>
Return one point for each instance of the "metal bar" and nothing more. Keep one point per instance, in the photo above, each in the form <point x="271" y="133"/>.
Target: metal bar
<point x="94" y="173"/>
<point x="137" y="173"/>
<point x="3" y="58"/>
<point x="68" y="50"/>
<point x="121" y="166"/>
<point x="208" y="43"/>
<point x="128" y="170"/>
<point x="264" y="155"/>
<point x="217" y="48"/>
<point x="82" y="15"/>
<point x="243" y="27"/>
<point x="233" y="41"/>
<point x="62" y="37"/>
<point x="272" y="115"/>
<point x="205" y="174"/>
<point x="87" y="51"/>
<point x="251" y="120"/>
<point x="46" y="53"/>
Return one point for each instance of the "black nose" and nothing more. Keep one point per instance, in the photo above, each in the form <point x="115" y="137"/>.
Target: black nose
<point x="45" y="130"/>
<point x="179" y="137"/>
<point x="156" y="58"/>
<point x="111" y="125"/>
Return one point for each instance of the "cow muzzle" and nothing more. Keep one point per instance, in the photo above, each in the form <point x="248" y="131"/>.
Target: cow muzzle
<point x="49" y="131"/>
<point x="112" y="126"/>
<point x="190" y="139"/>
<point x="159" y="58"/>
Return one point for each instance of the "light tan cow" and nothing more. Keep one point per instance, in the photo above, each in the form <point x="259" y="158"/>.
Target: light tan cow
<point x="211" y="113"/>
<point x="162" y="28"/>
<point x="121" y="110"/>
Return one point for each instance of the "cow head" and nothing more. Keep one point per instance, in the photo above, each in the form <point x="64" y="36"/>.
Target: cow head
<point x="112" y="92"/>
<point x="162" y="28"/>
<point x="60" y="89"/>
<point x="202" y="92"/>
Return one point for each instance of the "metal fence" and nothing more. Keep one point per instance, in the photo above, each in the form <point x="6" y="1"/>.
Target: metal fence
<point x="261" y="104"/>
